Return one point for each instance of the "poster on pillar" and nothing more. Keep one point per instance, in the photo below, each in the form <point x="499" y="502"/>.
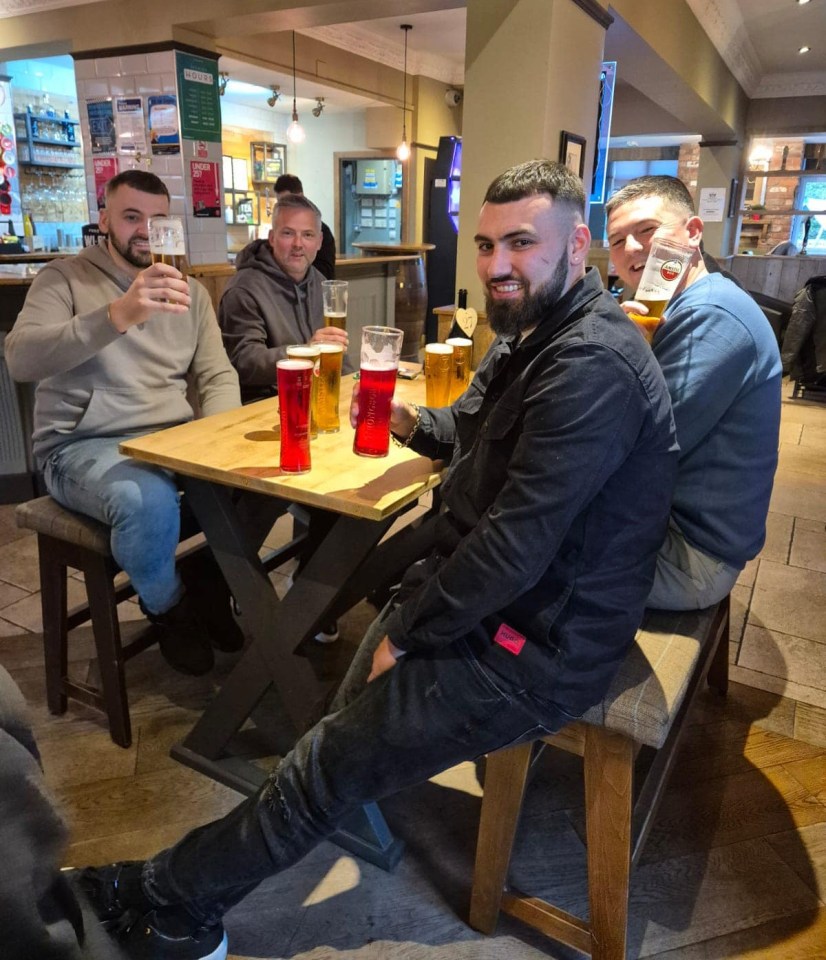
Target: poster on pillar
<point x="206" y="197"/>
<point x="605" y="107"/>
<point x="199" y="99"/>
<point x="104" y="169"/>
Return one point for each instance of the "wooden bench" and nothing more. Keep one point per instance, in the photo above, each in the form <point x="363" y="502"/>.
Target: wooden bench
<point x="646" y="706"/>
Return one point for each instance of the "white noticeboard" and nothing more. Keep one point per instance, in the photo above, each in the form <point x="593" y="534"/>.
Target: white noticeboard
<point x="712" y="206"/>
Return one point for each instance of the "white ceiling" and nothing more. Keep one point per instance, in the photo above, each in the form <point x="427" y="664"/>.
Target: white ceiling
<point x="758" y="39"/>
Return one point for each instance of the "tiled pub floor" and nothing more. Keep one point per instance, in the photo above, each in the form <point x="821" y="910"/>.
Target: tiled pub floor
<point x="736" y="863"/>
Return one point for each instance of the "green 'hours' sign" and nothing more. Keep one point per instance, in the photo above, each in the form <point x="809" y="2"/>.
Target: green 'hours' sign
<point x="198" y="98"/>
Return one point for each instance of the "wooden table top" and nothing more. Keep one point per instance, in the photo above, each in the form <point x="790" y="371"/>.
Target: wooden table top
<point x="240" y="448"/>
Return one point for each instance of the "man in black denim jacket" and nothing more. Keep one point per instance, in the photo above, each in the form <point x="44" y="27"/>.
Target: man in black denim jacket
<point x="563" y="458"/>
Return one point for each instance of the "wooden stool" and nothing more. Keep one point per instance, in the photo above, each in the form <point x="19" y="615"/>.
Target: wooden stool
<point x="68" y="539"/>
<point x="646" y="705"/>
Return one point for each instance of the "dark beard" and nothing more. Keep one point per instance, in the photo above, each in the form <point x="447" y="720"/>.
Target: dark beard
<point x="508" y="318"/>
<point x="139" y="260"/>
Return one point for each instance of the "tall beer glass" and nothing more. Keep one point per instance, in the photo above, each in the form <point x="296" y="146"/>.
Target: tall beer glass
<point x="438" y="368"/>
<point x="328" y="387"/>
<point x="462" y="358"/>
<point x="335" y="303"/>
<point x="308" y="351"/>
<point x="380" y="349"/>
<point x="167" y="242"/>
<point x="664" y="270"/>
<point x="295" y="379"/>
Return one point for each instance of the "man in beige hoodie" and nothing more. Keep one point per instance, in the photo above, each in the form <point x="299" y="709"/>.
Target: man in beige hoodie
<point x="113" y="342"/>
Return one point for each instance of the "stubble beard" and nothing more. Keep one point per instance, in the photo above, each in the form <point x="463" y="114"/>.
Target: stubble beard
<point x="508" y="318"/>
<point x="131" y="255"/>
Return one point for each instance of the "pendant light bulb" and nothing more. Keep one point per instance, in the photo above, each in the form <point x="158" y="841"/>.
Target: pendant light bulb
<point x="403" y="149"/>
<point x="295" y="132"/>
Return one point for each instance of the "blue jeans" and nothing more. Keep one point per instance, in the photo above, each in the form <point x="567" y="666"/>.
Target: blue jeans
<point x="141" y="504"/>
<point x="428" y="713"/>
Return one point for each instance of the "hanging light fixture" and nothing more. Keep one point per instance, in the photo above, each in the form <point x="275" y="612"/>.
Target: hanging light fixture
<point x="319" y="106"/>
<point x="295" y="132"/>
<point x="223" y="80"/>
<point x="276" y="95"/>
<point x="403" y="149"/>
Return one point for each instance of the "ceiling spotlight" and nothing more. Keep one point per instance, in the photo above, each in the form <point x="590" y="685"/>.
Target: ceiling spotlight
<point x="319" y="106"/>
<point x="223" y="80"/>
<point x="804" y="50"/>
<point x="801" y="2"/>
<point x="276" y="95"/>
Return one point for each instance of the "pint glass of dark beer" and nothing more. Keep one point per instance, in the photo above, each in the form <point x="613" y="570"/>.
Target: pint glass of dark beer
<point x="295" y="380"/>
<point x="380" y="349"/>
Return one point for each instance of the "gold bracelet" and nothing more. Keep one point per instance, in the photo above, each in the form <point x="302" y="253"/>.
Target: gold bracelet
<point x="406" y="442"/>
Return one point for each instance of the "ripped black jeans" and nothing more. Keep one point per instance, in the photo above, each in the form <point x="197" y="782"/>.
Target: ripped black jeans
<point x="426" y="714"/>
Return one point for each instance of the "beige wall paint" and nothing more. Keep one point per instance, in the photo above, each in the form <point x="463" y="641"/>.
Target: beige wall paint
<point x="787" y="115"/>
<point x="555" y="50"/>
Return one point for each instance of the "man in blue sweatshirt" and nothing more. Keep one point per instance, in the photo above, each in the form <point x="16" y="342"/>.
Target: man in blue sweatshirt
<point x="720" y="360"/>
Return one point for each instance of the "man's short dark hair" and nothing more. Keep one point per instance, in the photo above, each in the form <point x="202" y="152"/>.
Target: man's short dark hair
<point x="139" y="180"/>
<point x="536" y="177"/>
<point x="295" y="201"/>
<point x="671" y="190"/>
<point x="288" y="183"/>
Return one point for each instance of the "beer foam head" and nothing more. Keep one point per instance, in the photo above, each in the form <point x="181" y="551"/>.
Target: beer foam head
<point x="459" y="342"/>
<point x="166" y="236"/>
<point x="309" y="350"/>
<point x="295" y="364"/>
<point x="331" y="347"/>
<point x="438" y="348"/>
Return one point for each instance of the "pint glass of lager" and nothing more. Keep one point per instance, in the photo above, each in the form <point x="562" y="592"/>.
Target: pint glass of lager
<point x="167" y="242"/>
<point x="308" y="351"/>
<point x="438" y="371"/>
<point x="380" y="350"/>
<point x="462" y="357"/>
<point x="335" y="303"/>
<point x="328" y="387"/>
<point x="664" y="270"/>
<point x="295" y="379"/>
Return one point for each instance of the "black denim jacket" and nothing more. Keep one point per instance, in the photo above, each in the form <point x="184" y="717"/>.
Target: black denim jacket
<point x="563" y="460"/>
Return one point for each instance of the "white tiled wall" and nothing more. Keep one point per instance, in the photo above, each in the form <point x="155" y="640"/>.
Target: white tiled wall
<point x="146" y="74"/>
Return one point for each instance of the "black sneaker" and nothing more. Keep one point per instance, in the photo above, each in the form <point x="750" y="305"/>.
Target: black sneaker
<point x="142" y="930"/>
<point x="171" y="934"/>
<point x="183" y="640"/>
<point x="206" y="585"/>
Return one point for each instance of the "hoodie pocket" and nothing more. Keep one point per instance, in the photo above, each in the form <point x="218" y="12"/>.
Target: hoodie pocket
<point x="112" y="412"/>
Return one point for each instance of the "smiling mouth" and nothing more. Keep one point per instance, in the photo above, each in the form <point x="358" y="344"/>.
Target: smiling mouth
<point x="505" y="289"/>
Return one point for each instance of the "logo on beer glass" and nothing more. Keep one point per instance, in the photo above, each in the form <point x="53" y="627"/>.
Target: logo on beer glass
<point x="670" y="270"/>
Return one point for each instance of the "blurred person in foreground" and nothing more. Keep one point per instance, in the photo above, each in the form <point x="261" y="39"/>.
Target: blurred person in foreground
<point x="275" y="299"/>
<point x="720" y="360"/>
<point x="115" y="343"/>
<point x="562" y="464"/>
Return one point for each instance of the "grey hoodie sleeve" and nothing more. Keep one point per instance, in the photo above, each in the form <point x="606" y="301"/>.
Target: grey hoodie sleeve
<point x="211" y="373"/>
<point x="48" y="337"/>
<point x="245" y="338"/>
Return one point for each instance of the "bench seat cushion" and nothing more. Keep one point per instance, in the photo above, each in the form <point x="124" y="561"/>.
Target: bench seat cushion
<point x="650" y="685"/>
<point x="46" y="516"/>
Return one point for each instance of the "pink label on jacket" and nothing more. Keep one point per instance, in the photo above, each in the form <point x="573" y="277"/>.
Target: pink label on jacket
<point x="508" y="638"/>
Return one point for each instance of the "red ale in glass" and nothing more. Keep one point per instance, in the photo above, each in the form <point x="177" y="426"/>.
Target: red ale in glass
<point x="377" y="382"/>
<point x="295" y="382"/>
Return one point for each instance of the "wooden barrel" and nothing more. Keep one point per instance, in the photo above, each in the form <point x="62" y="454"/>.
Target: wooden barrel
<point x="411" y="304"/>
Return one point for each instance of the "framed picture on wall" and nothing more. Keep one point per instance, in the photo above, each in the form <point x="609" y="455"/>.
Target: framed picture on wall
<point x="572" y="152"/>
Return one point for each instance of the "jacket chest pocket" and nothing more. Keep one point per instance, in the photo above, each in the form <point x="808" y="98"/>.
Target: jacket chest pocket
<point x="501" y="422"/>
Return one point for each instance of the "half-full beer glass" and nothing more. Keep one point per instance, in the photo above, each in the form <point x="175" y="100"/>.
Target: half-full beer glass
<point x="308" y="351"/>
<point x="664" y="269"/>
<point x="462" y="358"/>
<point x="380" y="349"/>
<point x="295" y="379"/>
<point x="438" y="369"/>
<point x="328" y="387"/>
<point x="335" y="303"/>
<point x="167" y="242"/>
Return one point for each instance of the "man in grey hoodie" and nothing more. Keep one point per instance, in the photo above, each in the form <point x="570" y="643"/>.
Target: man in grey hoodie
<point x="113" y="342"/>
<point x="274" y="299"/>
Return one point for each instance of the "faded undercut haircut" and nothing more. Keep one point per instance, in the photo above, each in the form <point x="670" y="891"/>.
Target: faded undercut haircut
<point x="534" y="177"/>
<point x="139" y="180"/>
<point x="671" y="190"/>
<point x="294" y="201"/>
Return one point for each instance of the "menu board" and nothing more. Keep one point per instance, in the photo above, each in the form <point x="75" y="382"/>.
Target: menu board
<point x="199" y="99"/>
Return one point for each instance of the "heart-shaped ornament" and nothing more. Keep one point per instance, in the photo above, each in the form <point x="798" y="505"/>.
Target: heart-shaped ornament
<point x="467" y="320"/>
